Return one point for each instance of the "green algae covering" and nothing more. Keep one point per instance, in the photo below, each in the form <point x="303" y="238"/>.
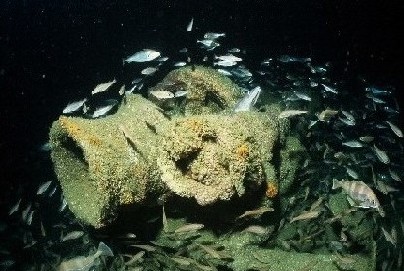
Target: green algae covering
<point x="207" y="153"/>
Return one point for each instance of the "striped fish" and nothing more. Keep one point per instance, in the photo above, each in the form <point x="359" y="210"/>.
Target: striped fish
<point x="361" y="194"/>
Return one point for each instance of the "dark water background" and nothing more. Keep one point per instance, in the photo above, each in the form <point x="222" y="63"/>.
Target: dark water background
<point x="54" y="52"/>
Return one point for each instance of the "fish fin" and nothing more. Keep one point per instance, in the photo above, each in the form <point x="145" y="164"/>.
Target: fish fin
<point x="105" y="250"/>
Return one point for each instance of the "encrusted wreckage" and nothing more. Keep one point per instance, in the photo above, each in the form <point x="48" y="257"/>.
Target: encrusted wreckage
<point x="203" y="150"/>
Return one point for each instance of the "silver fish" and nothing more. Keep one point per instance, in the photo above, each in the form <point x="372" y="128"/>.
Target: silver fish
<point x="375" y="99"/>
<point x="43" y="187"/>
<point x="180" y="93"/>
<point x="390" y="237"/>
<point x="385" y="188"/>
<point x="241" y="72"/>
<point x="291" y="113"/>
<point x="161" y="95"/>
<point x="162" y="59"/>
<point x="347" y="121"/>
<point x="143" y="56"/>
<point x="102" y="110"/>
<point x="211" y="251"/>
<point x="164" y="219"/>
<point x="348" y="115"/>
<point x="82" y="263"/>
<point x="29" y="217"/>
<point x="224" y="72"/>
<point x="25" y="212"/>
<point x="229" y="57"/>
<point x="15" y="207"/>
<point x="256" y="229"/>
<point x="122" y="90"/>
<point x="234" y="50"/>
<point x="353" y="144"/>
<point x="63" y="205"/>
<point x="249" y="100"/>
<point x="213" y="36"/>
<point x="377" y="91"/>
<point x="225" y="63"/>
<point x="72" y="235"/>
<point x="103" y="87"/>
<point x="74" y="106"/>
<point x="327" y="114"/>
<point x="366" y="139"/>
<point x="394" y="175"/>
<point x="395" y="129"/>
<point x="266" y="62"/>
<point x="189" y="227"/>
<point x="381" y="155"/>
<point x="329" y="89"/>
<point x="135" y="258"/>
<point x="302" y="95"/>
<point x="52" y="191"/>
<point x="305" y="215"/>
<point x="209" y="44"/>
<point x="312" y="123"/>
<point x="149" y="71"/>
<point x="180" y="64"/>
<point x="190" y="24"/>
<point x="45" y="147"/>
<point x="136" y="80"/>
<point x="361" y="194"/>
<point x="352" y="173"/>
<point x="257" y="212"/>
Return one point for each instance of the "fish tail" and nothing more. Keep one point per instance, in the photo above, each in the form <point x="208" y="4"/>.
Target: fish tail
<point x="336" y="184"/>
<point x="104" y="250"/>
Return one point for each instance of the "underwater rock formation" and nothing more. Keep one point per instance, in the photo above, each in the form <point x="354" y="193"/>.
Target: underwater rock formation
<point x="139" y="154"/>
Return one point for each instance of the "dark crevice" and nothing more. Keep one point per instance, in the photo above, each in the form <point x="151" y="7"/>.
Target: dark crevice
<point x="183" y="163"/>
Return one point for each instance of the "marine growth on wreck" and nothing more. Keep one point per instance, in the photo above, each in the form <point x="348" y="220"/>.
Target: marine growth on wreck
<point x="200" y="152"/>
<point x="173" y="176"/>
